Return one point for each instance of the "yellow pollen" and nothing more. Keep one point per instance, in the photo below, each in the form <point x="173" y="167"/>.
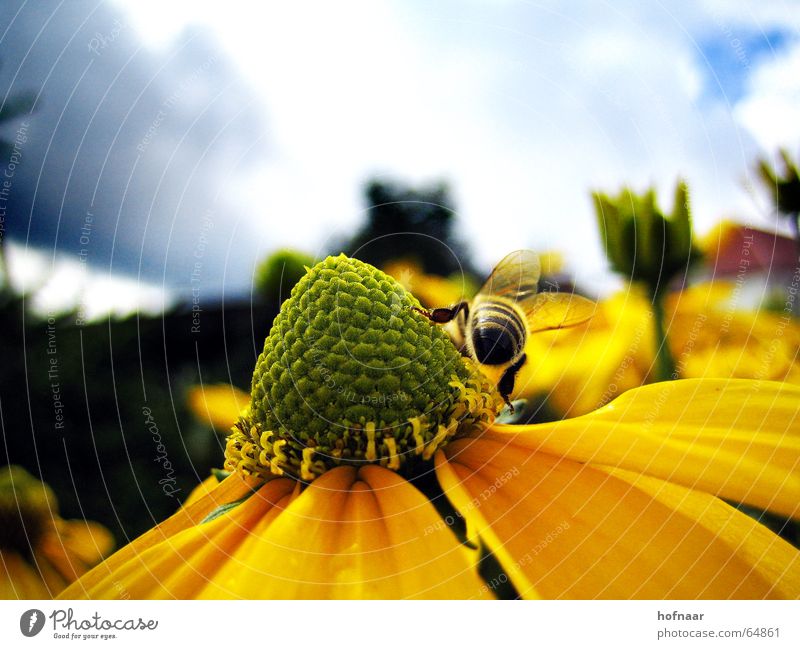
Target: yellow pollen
<point x="371" y="455"/>
<point x="305" y="467"/>
<point x="280" y="457"/>
<point x="394" y="459"/>
<point x="416" y="427"/>
<point x="265" y="436"/>
<point x="435" y="443"/>
<point x="458" y="385"/>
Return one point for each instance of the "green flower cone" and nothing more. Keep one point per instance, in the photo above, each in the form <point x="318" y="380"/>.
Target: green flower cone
<point x="351" y="374"/>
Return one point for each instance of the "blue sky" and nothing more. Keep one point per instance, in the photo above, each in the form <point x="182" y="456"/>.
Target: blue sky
<point x="727" y="59"/>
<point x="523" y="107"/>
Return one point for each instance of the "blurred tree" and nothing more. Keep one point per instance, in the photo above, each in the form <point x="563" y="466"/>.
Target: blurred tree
<point x="417" y="224"/>
<point x="100" y="410"/>
<point x="13" y="107"/>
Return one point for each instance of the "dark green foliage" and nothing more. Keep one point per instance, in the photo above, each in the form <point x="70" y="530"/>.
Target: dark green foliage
<point x="279" y="272"/>
<point x="784" y="190"/>
<point x="122" y="388"/>
<point x="410" y="223"/>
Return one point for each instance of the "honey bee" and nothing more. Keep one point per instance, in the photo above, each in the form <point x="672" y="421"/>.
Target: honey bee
<point x="494" y="326"/>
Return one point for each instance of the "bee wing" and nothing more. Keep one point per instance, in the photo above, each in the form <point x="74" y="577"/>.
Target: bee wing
<point x="547" y="311"/>
<point x="516" y="277"/>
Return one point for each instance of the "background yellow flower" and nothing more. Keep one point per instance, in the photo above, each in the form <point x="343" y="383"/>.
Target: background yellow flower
<point x="40" y="553"/>
<point x="577" y="370"/>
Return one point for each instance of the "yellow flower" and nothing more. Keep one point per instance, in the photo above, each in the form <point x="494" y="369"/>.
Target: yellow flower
<point x="436" y="291"/>
<point x="580" y="369"/>
<point x="217" y="405"/>
<point x="625" y="502"/>
<point x="40" y="553"/>
<point x="431" y="290"/>
<point x="711" y="338"/>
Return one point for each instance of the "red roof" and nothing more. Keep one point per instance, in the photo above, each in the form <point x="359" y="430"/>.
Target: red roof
<point x="743" y="248"/>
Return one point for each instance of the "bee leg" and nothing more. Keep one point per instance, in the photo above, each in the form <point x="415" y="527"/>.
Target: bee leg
<point x="506" y="383"/>
<point x="443" y="315"/>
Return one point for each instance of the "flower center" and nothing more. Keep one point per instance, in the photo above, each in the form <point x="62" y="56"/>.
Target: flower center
<point x="351" y="374"/>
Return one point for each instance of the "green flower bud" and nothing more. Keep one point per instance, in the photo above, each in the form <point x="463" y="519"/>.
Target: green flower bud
<point x="351" y="374"/>
<point x="641" y="242"/>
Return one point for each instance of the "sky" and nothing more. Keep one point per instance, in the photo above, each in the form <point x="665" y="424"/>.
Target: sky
<point x="276" y="113"/>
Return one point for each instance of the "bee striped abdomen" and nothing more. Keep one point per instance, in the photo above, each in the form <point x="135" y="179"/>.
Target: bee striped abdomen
<point x="497" y="332"/>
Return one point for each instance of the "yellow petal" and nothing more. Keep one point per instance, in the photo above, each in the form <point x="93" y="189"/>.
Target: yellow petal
<point x="55" y="574"/>
<point x="567" y="530"/>
<point x="183" y="565"/>
<point x="738" y="439"/>
<point x="229" y="490"/>
<point x="352" y="534"/>
<point x="769" y="555"/>
<point x="203" y="489"/>
<point x="217" y="405"/>
<point x="85" y="541"/>
<point x="19" y="579"/>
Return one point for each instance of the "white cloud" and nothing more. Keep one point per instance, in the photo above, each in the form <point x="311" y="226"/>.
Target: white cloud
<point x="764" y="14"/>
<point x="524" y="107"/>
<point x="57" y="284"/>
<point x="771" y="108"/>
